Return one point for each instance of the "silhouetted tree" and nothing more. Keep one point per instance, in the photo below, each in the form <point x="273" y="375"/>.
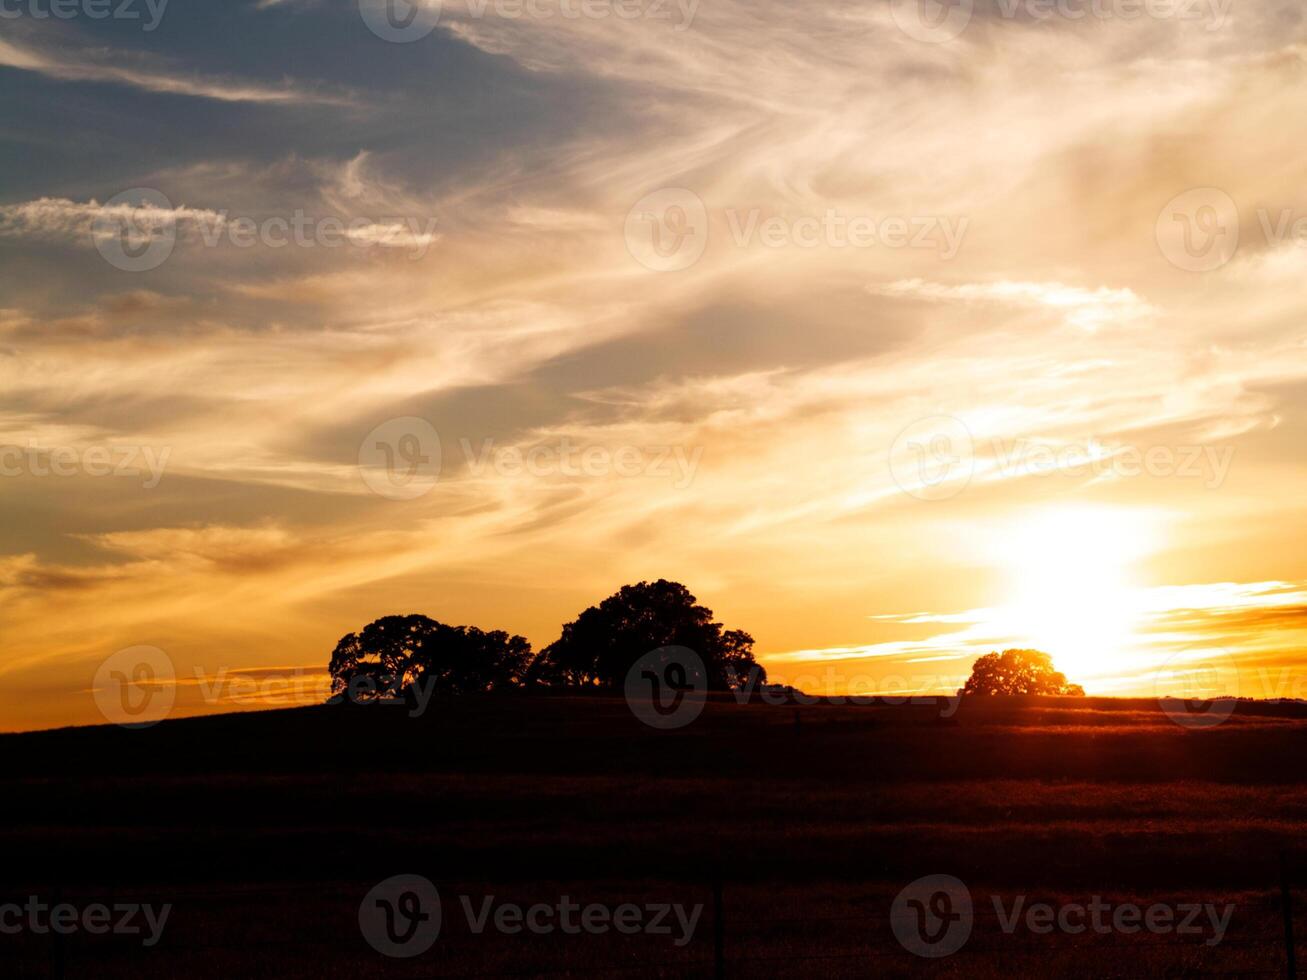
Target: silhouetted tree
<point x="395" y="652"/>
<point x="601" y="644"/>
<point x="1018" y="672"/>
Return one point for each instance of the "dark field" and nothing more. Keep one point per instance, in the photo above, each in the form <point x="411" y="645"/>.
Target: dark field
<point x="265" y="832"/>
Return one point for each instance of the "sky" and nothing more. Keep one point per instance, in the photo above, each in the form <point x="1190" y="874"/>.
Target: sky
<point x="898" y="332"/>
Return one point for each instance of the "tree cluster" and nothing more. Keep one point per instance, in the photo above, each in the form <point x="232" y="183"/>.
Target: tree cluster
<point x="597" y="649"/>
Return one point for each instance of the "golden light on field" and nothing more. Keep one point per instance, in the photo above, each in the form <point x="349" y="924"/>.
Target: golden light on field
<point x="1073" y="587"/>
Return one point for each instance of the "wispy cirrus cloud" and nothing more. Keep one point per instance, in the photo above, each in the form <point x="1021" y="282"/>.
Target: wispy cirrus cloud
<point x="153" y="75"/>
<point x="1086" y="308"/>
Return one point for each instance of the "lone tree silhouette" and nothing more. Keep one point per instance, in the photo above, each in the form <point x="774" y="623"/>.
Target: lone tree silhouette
<point x="395" y="652"/>
<point x="1018" y="672"/>
<point x="599" y="647"/>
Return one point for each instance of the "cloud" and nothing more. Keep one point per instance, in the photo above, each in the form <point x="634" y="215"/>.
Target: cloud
<point x="97" y="65"/>
<point x="1089" y="309"/>
<point x="85" y="223"/>
<point x="81" y="222"/>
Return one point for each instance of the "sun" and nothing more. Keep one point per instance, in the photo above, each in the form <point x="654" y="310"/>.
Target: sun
<point x="1071" y="586"/>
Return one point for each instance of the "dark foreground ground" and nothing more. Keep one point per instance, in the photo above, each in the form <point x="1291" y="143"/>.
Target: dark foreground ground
<point x="266" y="831"/>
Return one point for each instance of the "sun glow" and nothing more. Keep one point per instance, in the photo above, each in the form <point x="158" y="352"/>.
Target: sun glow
<point x="1073" y="593"/>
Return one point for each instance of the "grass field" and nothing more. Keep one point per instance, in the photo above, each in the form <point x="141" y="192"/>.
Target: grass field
<point x="265" y="831"/>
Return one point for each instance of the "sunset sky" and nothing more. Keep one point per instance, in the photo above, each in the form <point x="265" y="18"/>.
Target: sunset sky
<point x="897" y="338"/>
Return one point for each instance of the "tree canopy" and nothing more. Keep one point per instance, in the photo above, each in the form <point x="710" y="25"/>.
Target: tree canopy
<point x="395" y="652"/>
<point x="1018" y="672"/>
<point x="599" y="647"/>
